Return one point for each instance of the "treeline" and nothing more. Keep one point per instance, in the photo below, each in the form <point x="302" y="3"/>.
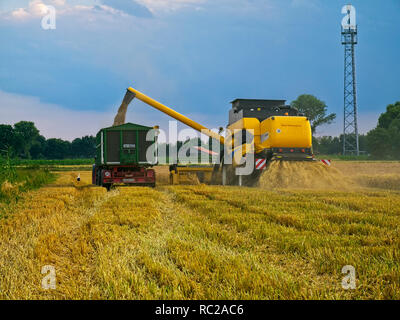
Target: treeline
<point x="383" y="142"/>
<point x="23" y="141"/>
<point x="334" y="145"/>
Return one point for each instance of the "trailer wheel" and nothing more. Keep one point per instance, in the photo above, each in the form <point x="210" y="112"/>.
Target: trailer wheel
<point x="94" y="175"/>
<point x="98" y="178"/>
<point x="107" y="186"/>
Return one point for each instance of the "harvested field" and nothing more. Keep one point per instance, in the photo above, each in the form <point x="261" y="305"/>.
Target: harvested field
<point x="382" y="175"/>
<point x="368" y="167"/>
<point x="199" y="242"/>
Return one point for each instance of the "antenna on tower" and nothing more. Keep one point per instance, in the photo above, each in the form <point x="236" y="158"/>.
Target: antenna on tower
<point x="349" y="40"/>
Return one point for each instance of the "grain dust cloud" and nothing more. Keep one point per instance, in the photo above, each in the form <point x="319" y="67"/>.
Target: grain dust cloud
<point x="304" y="175"/>
<point x="121" y="115"/>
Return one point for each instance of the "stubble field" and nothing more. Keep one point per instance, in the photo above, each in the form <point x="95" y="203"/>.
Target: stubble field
<point x="205" y="242"/>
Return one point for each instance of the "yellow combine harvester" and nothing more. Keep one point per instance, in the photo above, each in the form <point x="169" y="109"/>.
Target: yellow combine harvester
<point x="269" y="129"/>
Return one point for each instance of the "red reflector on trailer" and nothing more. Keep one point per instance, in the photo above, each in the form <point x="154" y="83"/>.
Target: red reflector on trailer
<point x="291" y="150"/>
<point x="302" y="150"/>
<point x="280" y="150"/>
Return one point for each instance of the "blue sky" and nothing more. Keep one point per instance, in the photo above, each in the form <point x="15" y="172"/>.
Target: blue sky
<point x="193" y="55"/>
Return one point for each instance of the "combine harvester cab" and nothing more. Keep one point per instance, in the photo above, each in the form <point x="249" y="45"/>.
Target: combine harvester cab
<point x="121" y="156"/>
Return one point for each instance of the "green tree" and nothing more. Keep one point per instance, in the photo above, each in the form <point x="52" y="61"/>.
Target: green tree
<point x="379" y="143"/>
<point x="26" y="134"/>
<point x="363" y="143"/>
<point x="394" y="133"/>
<point x="392" y="113"/>
<point x="38" y="148"/>
<point x="57" y="149"/>
<point x="24" y="140"/>
<point x="8" y="141"/>
<point x="384" y="140"/>
<point x="84" y="147"/>
<point x="315" y="109"/>
<point x="327" y="145"/>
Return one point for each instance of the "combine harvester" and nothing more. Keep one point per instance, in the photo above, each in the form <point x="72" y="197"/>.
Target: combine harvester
<point x="269" y="129"/>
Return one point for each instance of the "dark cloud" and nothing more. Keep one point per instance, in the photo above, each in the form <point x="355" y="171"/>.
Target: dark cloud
<point x="130" y="7"/>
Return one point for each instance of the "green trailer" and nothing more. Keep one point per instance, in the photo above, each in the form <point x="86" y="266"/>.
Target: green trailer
<point x="125" y="155"/>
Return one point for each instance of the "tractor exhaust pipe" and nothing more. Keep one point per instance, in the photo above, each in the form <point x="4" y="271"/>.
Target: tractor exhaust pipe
<point x="121" y="115"/>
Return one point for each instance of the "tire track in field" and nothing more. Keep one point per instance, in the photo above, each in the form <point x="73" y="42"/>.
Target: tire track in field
<point x="176" y="257"/>
<point x="344" y="212"/>
<point x="43" y="229"/>
<point x="359" y="245"/>
<point x="72" y="250"/>
<point x="290" y="268"/>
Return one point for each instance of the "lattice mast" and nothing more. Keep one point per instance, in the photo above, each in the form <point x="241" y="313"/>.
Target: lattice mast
<point x="350" y="128"/>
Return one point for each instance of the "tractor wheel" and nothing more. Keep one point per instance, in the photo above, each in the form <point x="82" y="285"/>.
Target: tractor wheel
<point x="98" y="179"/>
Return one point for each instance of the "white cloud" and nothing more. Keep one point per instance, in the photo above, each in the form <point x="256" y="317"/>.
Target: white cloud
<point x="107" y="9"/>
<point x="20" y="13"/>
<point x="170" y="5"/>
<point x="130" y="7"/>
<point x="38" y="8"/>
<point x="58" y="2"/>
